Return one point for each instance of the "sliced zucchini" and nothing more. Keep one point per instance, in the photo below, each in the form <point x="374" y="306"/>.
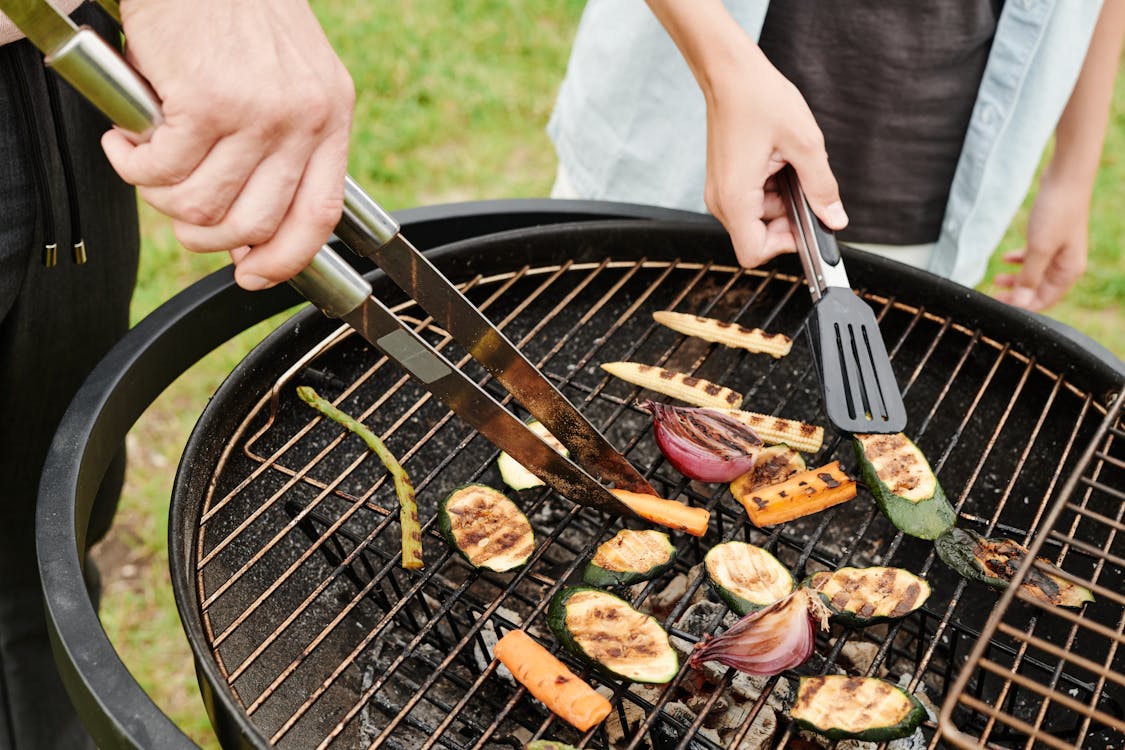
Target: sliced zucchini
<point x="858" y="597"/>
<point x="746" y="577"/>
<point x="774" y="464"/>
<point x="611" y="636"/>
<point x="629" y="557"/>
<point x="993" y="562"/>
<point x="512" y="471"/>
<point x="861" y="708"/>
<point x="486" y="527"/>
<point x="904" y="485"/>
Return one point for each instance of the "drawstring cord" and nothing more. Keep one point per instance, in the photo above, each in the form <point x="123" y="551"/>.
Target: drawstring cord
<point x="77" y="241"/>
<point x="38" y="160"/>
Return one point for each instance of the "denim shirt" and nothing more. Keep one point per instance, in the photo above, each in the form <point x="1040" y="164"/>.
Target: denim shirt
<point x="630" y="122"/>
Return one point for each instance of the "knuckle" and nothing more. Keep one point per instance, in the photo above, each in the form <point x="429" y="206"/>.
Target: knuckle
<point x="254" y="230"/>
<point x="202" y="212"/>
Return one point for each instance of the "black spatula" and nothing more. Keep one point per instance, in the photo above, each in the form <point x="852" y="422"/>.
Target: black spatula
<point x="860" y="392"/>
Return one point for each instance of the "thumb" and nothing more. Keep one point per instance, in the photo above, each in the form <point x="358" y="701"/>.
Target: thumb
<point x="810" y="160"/>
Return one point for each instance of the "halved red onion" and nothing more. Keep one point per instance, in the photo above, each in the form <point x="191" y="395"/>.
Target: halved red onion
<point x="771" y="640"/>
<point x="703" y="444"/>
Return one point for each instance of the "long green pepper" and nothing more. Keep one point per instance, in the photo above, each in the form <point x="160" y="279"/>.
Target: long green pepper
<point x="408" y="507"/>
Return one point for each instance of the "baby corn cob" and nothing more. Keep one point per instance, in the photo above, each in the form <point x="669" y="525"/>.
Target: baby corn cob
<point x="696" y="391"/>
<point x="729" y="334"/>
<point x="797" y="435"/>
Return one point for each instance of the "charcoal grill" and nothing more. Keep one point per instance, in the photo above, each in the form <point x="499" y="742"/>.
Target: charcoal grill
<point x="284" y="537"/>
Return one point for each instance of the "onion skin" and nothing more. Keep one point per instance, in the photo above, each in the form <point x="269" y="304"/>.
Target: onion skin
<point x="703" y="444"/>
<point x="768" y="642"/>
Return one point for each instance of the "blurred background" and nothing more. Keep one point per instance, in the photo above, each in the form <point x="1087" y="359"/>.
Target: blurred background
<point x="452" y="100"/>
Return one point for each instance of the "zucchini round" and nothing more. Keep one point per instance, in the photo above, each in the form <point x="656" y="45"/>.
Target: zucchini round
<point x="630" y="557"/>
<point x="512" y="471"/>
<point x="860" y="708"/>
<point x="903" y="484"/>
<point x="486" y="527"/>
<point x="858" y="597"/>
<point x="746" y="577"/>
<point x="615" y="639"/>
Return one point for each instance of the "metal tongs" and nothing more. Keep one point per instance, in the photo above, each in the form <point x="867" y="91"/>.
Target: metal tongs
<point x="858" y="384"/>
<point x="101" y="75"/>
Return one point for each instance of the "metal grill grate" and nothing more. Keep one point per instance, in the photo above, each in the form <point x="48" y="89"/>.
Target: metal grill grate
<point x="326" y="642"/>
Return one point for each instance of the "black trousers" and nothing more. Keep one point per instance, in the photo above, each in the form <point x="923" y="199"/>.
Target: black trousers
<point x="55" y="324"/>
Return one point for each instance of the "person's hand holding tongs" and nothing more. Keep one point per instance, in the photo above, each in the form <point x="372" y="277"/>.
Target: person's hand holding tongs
<point x="100" y="74"/>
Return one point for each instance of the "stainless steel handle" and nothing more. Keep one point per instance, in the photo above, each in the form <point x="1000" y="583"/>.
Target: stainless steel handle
<point x="816" y="246"/>
<point x="101" y="75"/>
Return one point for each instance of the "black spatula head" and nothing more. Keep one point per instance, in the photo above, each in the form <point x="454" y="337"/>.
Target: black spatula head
<point x="859" y="387"/>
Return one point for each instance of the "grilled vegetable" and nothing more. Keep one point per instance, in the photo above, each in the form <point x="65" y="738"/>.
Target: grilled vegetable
<point x="797" y="435"/>
<point x="904" y="485"/>
<point x="862" y="708"/>
<point x="614" y="638"/>
<point x="549" y="680"/>
<point x="775" y="464"/>
<point x="779" y="637"/>
<point x="703" y="444"/>
<point x="729" y="334"/>
<point x="486" y="527"/>
<point x="549" y="745"/>
<point x="994" y="561"/>
<point x="800" y="495"/>
<point x="629" y="557"/>
<point x="693" y="390"/>
<point x="404" y="489"/>
<point x="674" y="515"/>
<point x="512" y="471"/>
<point x="746" y="577"/>
<point x="858" y="597"/>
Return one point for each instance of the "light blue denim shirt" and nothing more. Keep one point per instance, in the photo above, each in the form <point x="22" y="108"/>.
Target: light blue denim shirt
<point x="630" y="121"/>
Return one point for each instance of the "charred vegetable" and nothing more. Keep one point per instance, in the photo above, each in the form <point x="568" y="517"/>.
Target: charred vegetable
<point x="858" y="597"/>
<point x="904" y="485"/>
<point x="800" y="495"/>
<point x="746" y="577"/>
<point x="728" y="334"/>
<point x="800" y="436"/>
<point x="703" y="444"/>
<point x="611" y="636"/>
<point x="629" y="557"/>
<point x="994" y="561"/>
<point x="771" y="640"/>
<point x="669" y="513"/>
<point x="687" y="388"/>
<point x="862" y="708"/>
<point x="486" y="527"/>
<point x="512" y="471"/>
<point x="775" y="464"/>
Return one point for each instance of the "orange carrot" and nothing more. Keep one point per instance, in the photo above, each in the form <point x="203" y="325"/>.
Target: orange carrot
<point x="800" y="495"/>
<point x="550" y="681"/>
<point x="670" y="513"/>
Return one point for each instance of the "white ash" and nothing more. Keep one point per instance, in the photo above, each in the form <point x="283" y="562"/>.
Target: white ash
<point x="489" y="635"/>
<point x="761" y="732"/>
<point x="615" y="731"/>
<point x="858" y="656"/>
<point x="748" y="687"/>
<point x="697" y="620"/>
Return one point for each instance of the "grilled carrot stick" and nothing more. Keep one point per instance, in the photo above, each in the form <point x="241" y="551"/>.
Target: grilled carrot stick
<point x="670" y="513"/>
<point x="549" y="680"/>
<point x="802" y="494"/>
<point x="408" y="506"/>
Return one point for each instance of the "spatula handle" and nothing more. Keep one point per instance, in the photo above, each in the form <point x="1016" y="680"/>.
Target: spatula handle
<point x="816" y="243"/>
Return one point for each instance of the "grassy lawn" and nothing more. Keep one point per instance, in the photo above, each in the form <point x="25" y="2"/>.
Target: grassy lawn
<point x="453" y="97"/>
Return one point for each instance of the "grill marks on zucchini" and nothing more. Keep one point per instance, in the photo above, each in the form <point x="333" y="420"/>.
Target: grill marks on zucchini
<point x="486" y="527"/>
<point x="903" y="484"/>
<point x="611" y="636"/>
<point x="863" y="708"/>
<point x="864" y="596"/>
<point x="630" y="557"/>
<point x="746" y="577"/>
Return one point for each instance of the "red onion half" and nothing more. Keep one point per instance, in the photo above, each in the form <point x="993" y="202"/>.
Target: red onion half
<point x="771" y="640"/>
<point x="703" y="444"/>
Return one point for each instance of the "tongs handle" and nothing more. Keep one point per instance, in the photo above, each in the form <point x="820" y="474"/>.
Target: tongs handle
<point x="101" y="75"/>
<point x="816" y="243"/>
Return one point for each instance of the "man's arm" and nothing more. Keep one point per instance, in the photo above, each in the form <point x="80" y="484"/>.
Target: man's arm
<point x="252" y="154"/>
<point x="1058" y="226"/>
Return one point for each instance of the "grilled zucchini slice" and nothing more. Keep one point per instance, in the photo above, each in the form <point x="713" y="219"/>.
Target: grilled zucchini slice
<point x="630" y="557"/>
<point x="904" y="485"/>
<point x="615" y="639"/>
<point x="486" y="527"/>
<point x="746" y="577"/>
<point x="861" y="708"/>
<point x="858" y="597"/>
<point x="993" y="562"/>
<point x="512" y="471"/>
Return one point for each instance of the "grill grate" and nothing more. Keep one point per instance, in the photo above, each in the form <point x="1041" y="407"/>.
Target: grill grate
<point x="326" y="642"/>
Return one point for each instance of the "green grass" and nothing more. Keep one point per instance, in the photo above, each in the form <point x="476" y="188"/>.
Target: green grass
<point x="453" y="98"/>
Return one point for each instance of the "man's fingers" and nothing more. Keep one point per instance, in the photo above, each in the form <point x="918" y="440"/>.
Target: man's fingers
<point x="168" y="158"/>
<point x="779" y="238"/>
<point x="808" y="157"/>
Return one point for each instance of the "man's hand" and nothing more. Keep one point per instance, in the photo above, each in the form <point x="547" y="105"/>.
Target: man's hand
<point x="252" y="154"/>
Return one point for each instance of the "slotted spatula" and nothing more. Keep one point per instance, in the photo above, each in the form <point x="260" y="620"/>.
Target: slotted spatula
<point x="860" y="392"/>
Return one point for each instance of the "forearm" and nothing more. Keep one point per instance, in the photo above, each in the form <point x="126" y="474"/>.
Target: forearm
<point x="1082" y="126"/>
